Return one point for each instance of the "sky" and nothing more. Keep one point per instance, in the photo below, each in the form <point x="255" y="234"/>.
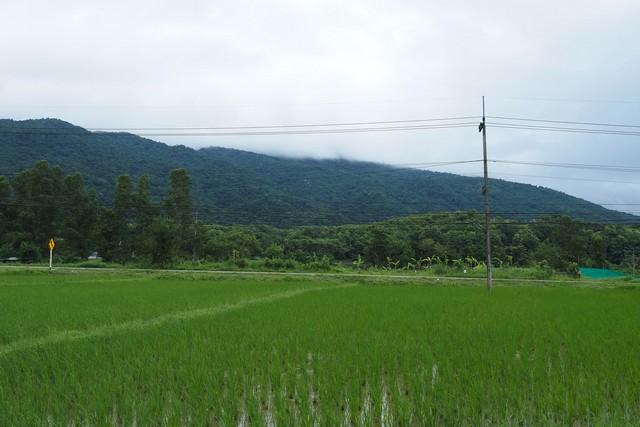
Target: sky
<point x="136" y="64"/>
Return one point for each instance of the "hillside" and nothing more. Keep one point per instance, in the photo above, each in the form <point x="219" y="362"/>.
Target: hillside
<point x="232" y="186"/>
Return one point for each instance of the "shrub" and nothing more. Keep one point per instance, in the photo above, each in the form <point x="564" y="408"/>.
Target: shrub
<point x="280" y="263"/>
<point x="240" y="262"/>
<point x="319" y="264"/>
<point x="274" y="251"/>
<point x="440" y="269"/>
<point x="542" y="271"/>
<point x="572" y="269"/>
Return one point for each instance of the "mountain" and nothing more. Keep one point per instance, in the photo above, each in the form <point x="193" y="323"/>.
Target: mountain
<point x="233" y="186"/>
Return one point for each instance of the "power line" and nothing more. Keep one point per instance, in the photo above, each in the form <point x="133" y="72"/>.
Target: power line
<point x="564" y="122"/>
<point x="499" y="174"/>
<point x="285" y="126"/>
<point x="316" y="132"/>
<point x="259" y="133"/>
<point x="340" y="124"/>
<point x="564" y="129"/>
<point x="270" y="126"/>
<point x="235" y="186"/>
<point x="610" y="168"/>
<point x="429" y="164"/>
<point x="333" y="128"/>
<point x="418" y="166"/>
<point x="386" y="169"/>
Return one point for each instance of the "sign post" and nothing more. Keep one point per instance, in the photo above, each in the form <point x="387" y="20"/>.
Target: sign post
<point x="52" y="244"/>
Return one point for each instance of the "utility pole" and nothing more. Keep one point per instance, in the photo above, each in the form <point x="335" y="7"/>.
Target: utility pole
<point x="195" y="237"/>
<point x="485" y="193"/>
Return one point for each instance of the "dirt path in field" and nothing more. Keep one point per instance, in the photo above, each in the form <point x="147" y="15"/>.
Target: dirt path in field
<point x="140" y="324"/>
<point x="478" y="280"/>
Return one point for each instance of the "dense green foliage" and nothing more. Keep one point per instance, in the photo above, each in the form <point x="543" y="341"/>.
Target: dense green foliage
<point x="41" y="202"/>
<point x="430" y="241"/>
<point x="99" y="349"/>
<point x="237" y="187"/>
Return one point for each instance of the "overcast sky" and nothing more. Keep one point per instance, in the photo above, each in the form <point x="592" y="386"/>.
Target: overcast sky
<point x="232" y="63"/>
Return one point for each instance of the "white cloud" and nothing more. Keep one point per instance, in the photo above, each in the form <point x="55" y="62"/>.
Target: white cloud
<point x="203" y="63"/>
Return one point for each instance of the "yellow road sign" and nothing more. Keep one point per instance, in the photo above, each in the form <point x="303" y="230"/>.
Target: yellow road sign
<point x="52" y="244"/>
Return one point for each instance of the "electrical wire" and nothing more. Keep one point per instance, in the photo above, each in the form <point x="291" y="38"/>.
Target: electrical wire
<point x="562" y="129"/>
<point x="285" y="126"/>
<point x="564" y="122"/>
<point x="609" y="168"/>
<point x="562" y="178"/>
<point x="258" y="133"/>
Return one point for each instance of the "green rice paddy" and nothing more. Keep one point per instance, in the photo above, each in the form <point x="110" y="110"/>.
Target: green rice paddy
<point x="197" y="349"/>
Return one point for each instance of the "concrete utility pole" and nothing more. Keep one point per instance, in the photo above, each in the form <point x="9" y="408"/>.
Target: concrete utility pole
<point x="485" y="193"/>
<point x="195" y="238"/>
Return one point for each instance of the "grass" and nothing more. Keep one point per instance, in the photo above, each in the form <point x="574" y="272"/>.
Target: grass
<point x="259" y="265"/>
<point x="195" y="349"/>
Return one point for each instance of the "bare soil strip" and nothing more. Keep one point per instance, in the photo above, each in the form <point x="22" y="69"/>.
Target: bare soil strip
<point x="409" y="277"/>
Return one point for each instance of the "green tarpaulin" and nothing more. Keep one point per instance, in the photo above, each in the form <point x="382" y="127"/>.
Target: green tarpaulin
<point x="600" y="273"/>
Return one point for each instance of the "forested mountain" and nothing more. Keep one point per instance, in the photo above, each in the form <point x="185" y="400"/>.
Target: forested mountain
<point x="232" y="186"/>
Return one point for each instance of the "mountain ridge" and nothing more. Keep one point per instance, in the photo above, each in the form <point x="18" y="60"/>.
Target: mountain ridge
<point x="236" y="186"/>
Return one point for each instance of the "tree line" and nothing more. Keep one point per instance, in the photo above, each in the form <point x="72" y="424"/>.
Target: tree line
<point x="42" y="202"/>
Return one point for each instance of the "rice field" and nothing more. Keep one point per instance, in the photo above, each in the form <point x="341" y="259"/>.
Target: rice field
<point x="197" y="349"/>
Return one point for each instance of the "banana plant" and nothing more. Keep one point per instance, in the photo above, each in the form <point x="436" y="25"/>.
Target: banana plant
<point x="418" y="263"/>
<point x="392" y="265"/>
<point x="509" y="260"/>
<point x="358" y="262"/>
<point x="436" y="260"/>
<point x="471" y="262"/>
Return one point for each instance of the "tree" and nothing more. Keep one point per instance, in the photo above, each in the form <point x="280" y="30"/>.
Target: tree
<point x="123" y="197"/>
<point x="598" y="249"/>
<point x="221" y="243"/>
<point x="144" y="213"/>
<point x="112" y="237"/>
<point x="178" y="199"/>
<point x="145" y="210"/>
<point x="117" y="226"/>
<point x="570" y="237"/>
<point x="80" y="214"/>
<point x="383" y="245"/>
<point x="524" y="243"/>
<point x="5" y="203"/>
<point x="163" y="242"/>
<point x="38" y="199"/>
